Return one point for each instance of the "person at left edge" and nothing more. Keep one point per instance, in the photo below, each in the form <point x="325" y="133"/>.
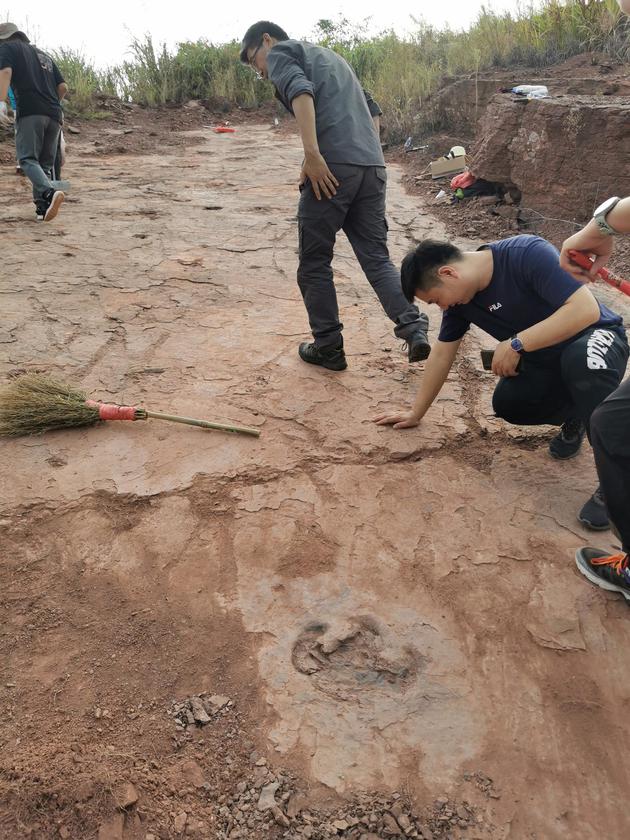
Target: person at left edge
<point x="38" y="87"/>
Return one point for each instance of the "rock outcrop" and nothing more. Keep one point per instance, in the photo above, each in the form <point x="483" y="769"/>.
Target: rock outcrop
<point x="563" y="154"/>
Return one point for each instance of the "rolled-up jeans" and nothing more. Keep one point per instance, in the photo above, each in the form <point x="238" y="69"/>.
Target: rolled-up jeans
<point x="36" y="141"/>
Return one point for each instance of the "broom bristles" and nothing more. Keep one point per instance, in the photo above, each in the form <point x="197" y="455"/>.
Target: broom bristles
<point x="33" y="403"/>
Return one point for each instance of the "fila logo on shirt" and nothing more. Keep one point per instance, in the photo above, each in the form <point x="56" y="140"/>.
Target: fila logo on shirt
<point x="596" y="349"/>
<point x="494" y="306"/>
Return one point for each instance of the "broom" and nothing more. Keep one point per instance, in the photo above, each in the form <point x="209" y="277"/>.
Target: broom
<point x="32" y="403"/>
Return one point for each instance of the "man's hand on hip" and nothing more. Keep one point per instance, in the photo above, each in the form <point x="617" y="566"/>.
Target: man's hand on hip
<point x="322" y="180"/>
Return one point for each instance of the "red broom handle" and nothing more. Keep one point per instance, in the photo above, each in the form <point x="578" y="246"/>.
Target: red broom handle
<point x="584" y="261"/>
<point x="110" y="411"/>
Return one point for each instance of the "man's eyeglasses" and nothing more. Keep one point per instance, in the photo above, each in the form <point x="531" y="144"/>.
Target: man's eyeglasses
<point x="259" y="75"/>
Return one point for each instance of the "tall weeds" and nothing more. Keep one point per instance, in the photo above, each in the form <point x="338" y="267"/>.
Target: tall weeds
<point x="83" y="81"/>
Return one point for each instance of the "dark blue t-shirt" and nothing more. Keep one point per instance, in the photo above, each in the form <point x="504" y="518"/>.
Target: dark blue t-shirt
<point x="527" y="286"/>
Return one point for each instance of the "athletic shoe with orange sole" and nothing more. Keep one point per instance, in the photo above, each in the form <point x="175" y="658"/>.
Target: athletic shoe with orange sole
<point x="608" y="571"/>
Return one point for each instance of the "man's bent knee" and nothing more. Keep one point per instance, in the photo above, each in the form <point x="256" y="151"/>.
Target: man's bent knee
<point x="504" y="408"/>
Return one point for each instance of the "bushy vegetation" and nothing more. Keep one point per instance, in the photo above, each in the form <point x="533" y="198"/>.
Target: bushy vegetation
<point x="84" y="82"/>
<point x="401" y="72"/>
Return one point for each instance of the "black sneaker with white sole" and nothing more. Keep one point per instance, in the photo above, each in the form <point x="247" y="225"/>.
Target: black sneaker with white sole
<point x="332" y="358"/>
<point x="608" y="571"/>
<point x="594" y="513"/>
<point x="568" y="441"/>
<point x="418" y="347"/>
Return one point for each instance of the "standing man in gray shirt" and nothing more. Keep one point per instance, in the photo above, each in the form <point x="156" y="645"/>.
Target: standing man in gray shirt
<point x="342" y="186"/>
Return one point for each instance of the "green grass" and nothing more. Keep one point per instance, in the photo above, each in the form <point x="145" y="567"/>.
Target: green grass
<point x="83" y="82"/>
<point x="401" y="73"/>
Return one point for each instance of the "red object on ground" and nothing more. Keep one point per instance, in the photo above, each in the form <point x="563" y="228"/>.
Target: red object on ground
<point x="109" y="411"/>
<point x="584" y="261"/>
<point x="224" y="129"/>
<point x="463" y="180"/>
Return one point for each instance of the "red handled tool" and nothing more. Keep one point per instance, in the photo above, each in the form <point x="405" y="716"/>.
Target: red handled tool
<point x="584" y="261"/>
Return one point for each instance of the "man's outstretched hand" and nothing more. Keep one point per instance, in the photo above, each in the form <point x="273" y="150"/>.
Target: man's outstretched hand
<point x="322" y="180"/>
<point x="397" y="419"/>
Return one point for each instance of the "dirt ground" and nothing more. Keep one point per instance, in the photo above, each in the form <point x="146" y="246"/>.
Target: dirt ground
<point x="335" y="630"/>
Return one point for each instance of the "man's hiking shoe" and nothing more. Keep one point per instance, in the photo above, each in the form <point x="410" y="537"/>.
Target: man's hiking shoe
<point x="54" y="200"/>
<point x="331" y="358"/>
<point x="594" y="514"/>
<point x="567" y="442"/>
<point x="418" y="347"/>
<point x="608" y="571"/>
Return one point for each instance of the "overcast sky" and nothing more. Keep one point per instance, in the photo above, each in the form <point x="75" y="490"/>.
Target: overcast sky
<point x="103" y="32"/>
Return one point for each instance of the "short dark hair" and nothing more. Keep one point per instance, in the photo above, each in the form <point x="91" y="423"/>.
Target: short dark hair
<point x="418" y="271"/>
<point x="254" y="35"/>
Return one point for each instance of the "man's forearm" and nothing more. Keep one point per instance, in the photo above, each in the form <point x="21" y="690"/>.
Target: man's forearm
<point x="5" y="81"/>
<point x="304" y="110"/>
<point x="62" y="90"/>
<point x="578" y="313"/>
<point x="377" y="123"/>
<point x="591" y="240"/>
<point x="435" y="374"/>
<point x="619" y="216"/>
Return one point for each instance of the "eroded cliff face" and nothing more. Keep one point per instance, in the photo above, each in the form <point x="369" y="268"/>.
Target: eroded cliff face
<point x="563" y="154"/>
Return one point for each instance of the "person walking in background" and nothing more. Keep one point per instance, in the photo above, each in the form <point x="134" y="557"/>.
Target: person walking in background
<point x="38" y="87"/>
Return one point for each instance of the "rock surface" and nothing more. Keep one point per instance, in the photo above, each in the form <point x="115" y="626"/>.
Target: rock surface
<point x="384" y="610"/>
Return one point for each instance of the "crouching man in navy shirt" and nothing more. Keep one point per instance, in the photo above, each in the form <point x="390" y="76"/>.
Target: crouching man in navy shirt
<point x="561" y="353"/>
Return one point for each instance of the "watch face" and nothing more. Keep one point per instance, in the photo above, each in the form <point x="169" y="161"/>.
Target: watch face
<point x="606" y="206"/>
